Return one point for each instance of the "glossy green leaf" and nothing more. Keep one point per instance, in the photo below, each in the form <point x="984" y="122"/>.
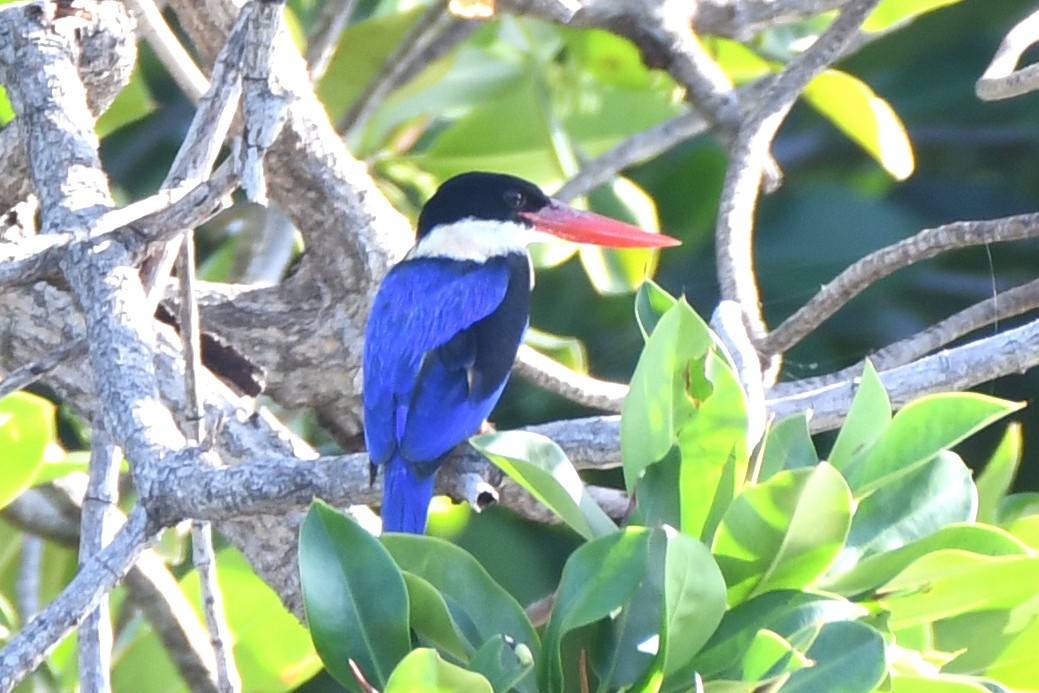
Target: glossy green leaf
<point x="769" y="655"/>
<point x="997" y="478"/>
<point x="424" y="670"/>
<point x="997" y="644"/>
<point x="568" y="351"/>
<point x="616" y="271"/>
<point x="783" y="533"/>
<point x="890" y="13"/>
<point x="651" y="303"/>
<point x="784" y="612"/>
<point x="920" y="430"/>
<point x="542" y="468"/>
<point x="939" y="493"/>
<point x="865" y="118"/>
<point x="479" y="606"/>
<point x="694" y="601"/>
<point x="503" y="662"/>
<point x="1026" y="529"/>
<point x="431" y="619"/>
<point x="877" y="569"/>
<point x="951" y="582"/>
<point x="848" y="656"/>
<point x="684" y="392"/>
<point x="868" y="418"/>
<point x="26" y="430"/>
<point x="598" y="579"/>
<point x="739" y="62"/>
<point x="341" y="567"/>
<point x="787" y="445"/>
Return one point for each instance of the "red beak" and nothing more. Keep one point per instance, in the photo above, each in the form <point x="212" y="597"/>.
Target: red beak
<point x="578" y="226"/>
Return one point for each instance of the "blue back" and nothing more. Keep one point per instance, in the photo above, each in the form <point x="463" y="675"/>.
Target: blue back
<point x="439" y="346"/>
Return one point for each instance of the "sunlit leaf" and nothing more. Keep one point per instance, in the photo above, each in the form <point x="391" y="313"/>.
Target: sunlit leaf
<point x="846" y="656"/>
<point x="788" y="445"/>
<point x="866" y="118"/>
<point x="868" y="417"/>
<point x="997" y="477"/>
<point x="920" y="430"/>
<point x="133" y="103"/>
<point x="26" y="430"/>
<point x="424" y="670"/>
<point x="541" y="467"/>
<point x="890" y="13"/>
<point x="651" y="302"/>
<point x="620" y="271"/>
<point x="937" y="494"/>
<point x="783" y="533"/>
<point x="568" y="351"/>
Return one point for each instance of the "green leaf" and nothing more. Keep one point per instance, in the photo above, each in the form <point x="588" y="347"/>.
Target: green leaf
<point x="133" y="103"/>
<point x="875" y="570"/>
<point x="788" y="445"/>
<point x="865" y="118"/>
<point x="542" y="468"/>
<point x="694" y="601"/>
<point x="783" y="533"/>
<point x="890" y="13"/>
<point x="770" y="655"/>
<point x="503" y="662"/>
<point x="951" y="582"/>
<point x="609" y="58"/>
<point x="341" y="567"/>
<point x="848" y="656"/>
<point x="868" y="418"/>
<point x="431" y="619"/>
<point x="997" y="478"/>
<point x="26" y="430"/>
<point x="6" y="112"/>
<point x="568" y="351"/>
<point x="936" y="684"/>
<point x="424" y="670"/>
<point x="651" y="302"/>
<point x="919" y="431"/>
<point x="616" y="271"/>
<point x="598" y="579"/>
<point x="939" y="493"/>
<point x="685" y="392"/>
<point x="480" y="608"/>
<point x="1000" y="644"/>
<point x="784" y="612"/>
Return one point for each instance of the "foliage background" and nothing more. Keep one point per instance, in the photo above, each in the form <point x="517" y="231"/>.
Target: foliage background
<point x="974" y="160"/>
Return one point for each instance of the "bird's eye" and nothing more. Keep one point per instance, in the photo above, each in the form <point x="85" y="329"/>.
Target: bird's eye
<point x="514" y="199"/>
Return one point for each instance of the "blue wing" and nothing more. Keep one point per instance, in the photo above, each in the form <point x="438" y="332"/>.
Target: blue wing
<point x="438" y="348"/>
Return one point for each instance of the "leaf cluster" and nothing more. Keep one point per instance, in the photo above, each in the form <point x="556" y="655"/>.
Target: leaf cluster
<point x="743" y="566"/>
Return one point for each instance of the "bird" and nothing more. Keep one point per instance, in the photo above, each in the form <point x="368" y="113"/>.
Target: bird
<point x="447" y="321"/>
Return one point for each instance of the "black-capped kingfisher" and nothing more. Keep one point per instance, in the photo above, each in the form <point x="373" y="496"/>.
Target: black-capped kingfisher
<point x="448" y="320"/>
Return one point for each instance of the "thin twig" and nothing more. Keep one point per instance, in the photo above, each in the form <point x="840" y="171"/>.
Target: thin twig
<point x="98" y="526"/>
<point x="321" y="46"/>
<point x="1002" y="79"/>
<point x="576" y="387"/>
<point x="433" y="22"/>
<point x="879" y="264"/>
<point x="168" y="48"/>
<point x="27" y="649"/>
<point x="734" y="232"/>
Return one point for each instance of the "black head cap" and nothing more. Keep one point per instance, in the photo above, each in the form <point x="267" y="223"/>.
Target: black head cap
<point x="480" y="195"/>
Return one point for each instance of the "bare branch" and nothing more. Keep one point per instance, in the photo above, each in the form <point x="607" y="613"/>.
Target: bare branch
<point x="879" y="264"/>
<point x="31" y="645"/>
<point x="321" y="46"/>
<point x="1002" y="78"/>
<point x="576" y="387"/>
<point x="168" y="48"/>
<point x="749" y="158"/>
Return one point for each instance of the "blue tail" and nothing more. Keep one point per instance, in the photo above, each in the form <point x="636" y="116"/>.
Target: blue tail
<point x="405" y="497"/>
